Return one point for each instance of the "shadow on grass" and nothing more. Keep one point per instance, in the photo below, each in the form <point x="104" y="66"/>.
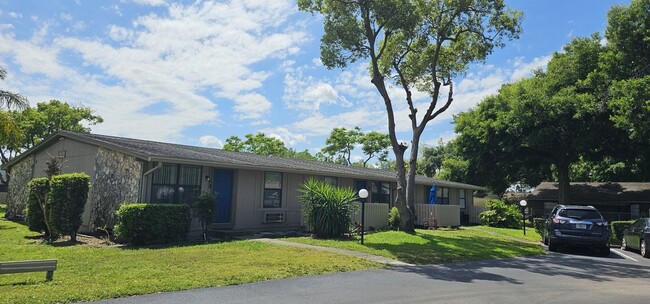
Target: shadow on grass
<point x="25" y="283"/>
<point x="553" y="265"/>
<point x="436" y="249"/>
<point x="172" y="245"/>
<point x="2" y="227"/>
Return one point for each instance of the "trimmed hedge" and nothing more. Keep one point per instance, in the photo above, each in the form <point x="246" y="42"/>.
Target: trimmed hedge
<point x="34" y="215"/>
<point x="40" y="186"/>
<point x="139" y="224"/>
<point x="617" y="228"/>
<point x="540" y="225"/>
<point x="68" y="196"/>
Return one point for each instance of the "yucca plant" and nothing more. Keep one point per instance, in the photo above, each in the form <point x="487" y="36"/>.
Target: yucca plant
<point x="328" y="209"/>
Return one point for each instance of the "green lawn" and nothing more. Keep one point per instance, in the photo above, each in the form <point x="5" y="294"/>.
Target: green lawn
<point x="89" y="273"/>
<point x="531" y="234"/>
<point x="434" y="246"/>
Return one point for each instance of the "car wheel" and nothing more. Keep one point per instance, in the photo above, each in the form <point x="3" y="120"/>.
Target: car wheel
<point x="552" y="246"/>
<point x="644" y="250"/>
<point x="624" y="244"/>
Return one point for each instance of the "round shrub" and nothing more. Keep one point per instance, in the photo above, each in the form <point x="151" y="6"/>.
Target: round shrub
<point x="501" y="215"/>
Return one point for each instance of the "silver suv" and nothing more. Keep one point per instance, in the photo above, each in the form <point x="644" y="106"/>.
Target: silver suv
<point x="577" y="226"/>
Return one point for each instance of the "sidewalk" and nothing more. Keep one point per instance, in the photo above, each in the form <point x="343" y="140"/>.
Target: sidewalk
<point x="367" y="256"/>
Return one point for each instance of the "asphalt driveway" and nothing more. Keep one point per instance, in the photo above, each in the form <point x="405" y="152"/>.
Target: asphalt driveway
<point x="567" y="277"/>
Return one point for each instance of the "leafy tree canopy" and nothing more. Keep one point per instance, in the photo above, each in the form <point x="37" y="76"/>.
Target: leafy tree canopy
<point x="35" y="124"/>
<point x="264" y="145"/>
<point x="49" y="117"/>
<point x="341" y="142"/>
<point x="419" y="45"/>
<point x="585" y="118"/>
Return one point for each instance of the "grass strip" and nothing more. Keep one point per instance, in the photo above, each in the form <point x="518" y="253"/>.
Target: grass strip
<point x="433" y="246"/>
<point x="87" y="273"/>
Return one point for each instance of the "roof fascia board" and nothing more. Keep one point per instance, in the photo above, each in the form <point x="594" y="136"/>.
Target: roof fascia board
<point x="439" y="183"/>
<point x="102" y="144"/>
<point x="62" y="134"/>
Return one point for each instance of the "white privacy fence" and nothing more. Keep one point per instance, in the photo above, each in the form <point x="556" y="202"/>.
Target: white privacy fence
<point x="376" y="216"/>
<point x="437" y="215"/>
<point x="445" y="215"/>
<point x="474" y="212"/>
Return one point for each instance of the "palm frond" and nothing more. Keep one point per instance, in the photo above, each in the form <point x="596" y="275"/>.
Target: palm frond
<point x="14" y="100"/>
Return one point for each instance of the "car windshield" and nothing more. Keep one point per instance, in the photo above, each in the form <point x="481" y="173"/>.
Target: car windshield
<point x="579" y="213"/>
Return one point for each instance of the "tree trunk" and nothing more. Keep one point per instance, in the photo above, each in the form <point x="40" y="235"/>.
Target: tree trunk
<point x="402" y="186"/>
<point x="563" y="182"/>
<point x="409" y="224"/>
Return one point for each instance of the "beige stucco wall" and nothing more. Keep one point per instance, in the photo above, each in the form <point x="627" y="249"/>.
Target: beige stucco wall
<point x="248" y="200"/>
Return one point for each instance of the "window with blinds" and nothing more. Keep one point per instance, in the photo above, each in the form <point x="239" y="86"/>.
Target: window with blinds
<point x="176" y="184"/>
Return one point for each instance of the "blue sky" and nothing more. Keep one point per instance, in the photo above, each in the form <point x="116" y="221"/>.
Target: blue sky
<point x="198" y="72"/>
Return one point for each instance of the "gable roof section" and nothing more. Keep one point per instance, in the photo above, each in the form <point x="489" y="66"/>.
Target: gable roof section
<point x="595" y="192"/>
<point x="168" y="152"/>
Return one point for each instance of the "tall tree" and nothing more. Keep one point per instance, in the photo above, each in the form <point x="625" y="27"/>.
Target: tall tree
<point x="257" y="144"/>
<point x="431" y="158"/>
<point x="49" y="117"/>
<point x="374" y="144"/>
<point x="419" y="45"/>
<point x="546" y="120"/>
<point x="341" y="143"/>
<point x="46" y="119"/>
<point x="625" y="71"/>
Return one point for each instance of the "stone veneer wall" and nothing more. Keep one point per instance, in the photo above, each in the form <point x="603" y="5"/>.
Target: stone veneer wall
<point x="18" y="192"/>
<point x="117" y="180"/>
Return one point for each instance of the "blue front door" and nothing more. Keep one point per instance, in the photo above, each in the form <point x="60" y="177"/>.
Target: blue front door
<point x="222" y="187"/>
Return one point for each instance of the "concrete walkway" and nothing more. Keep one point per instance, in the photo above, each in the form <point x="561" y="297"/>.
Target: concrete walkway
<point x="367" y="256"/>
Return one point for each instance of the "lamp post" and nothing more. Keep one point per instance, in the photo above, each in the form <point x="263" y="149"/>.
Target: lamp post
<point x="523" y="204"/>
<point x="363" y="194"/>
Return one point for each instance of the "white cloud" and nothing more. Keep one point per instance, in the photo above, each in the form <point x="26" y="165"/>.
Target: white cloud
<point x="15" y="15"/>
<point x="445" y="137"/>
<point x="119" y="33"/>
<point x="211" y="142"/>
<point x="524" y="69"/>
<point x="79" y="25"/>
<point x="150" y="2"/>
<point x="252" y="106"/>
<point x="305" y="93"/>
<point x="197" y="58"/>
<point x="66" y="17"/>
<point x="287" y="137"/>
<point x="319" y="124"/>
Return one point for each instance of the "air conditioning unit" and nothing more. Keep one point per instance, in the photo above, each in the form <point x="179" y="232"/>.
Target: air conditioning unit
<point x="274" y="217"/>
